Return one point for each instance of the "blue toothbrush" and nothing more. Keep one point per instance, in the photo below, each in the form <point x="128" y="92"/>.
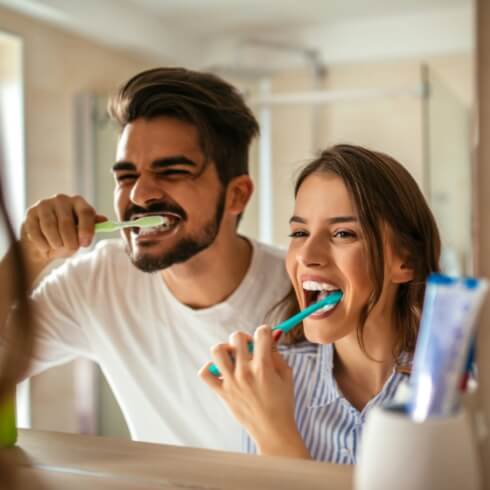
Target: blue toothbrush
<point x="290" y="323"/>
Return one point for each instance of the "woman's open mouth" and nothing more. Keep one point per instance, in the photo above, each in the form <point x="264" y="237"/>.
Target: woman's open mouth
<point x="170" y="223"/>
<point x="314" y="291"/>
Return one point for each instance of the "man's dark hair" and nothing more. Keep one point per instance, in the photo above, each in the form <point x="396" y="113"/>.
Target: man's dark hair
<point x="225" y="124"/>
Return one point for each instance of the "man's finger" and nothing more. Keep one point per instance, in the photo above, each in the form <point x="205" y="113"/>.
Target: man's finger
<point x="66" y="225"/>
<point x="49" y="227"/>
<point x="85" y="215"/>
<point x="32" y="232"/>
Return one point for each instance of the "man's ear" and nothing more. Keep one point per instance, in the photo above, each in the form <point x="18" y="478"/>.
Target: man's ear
<point x="238" y="194"/>
<point x="401" y="270"/>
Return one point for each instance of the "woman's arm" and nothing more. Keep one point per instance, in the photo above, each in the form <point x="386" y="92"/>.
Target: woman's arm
<point x="259" y="391"/>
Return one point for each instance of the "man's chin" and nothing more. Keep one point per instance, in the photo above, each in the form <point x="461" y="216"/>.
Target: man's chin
<point x="150" y="262"/>
<point x="158" y="260"/>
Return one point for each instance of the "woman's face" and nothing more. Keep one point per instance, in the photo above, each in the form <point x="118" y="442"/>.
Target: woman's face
<point x="327" y="252"/>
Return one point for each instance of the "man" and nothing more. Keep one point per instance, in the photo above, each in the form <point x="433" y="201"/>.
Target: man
<point x="182" y="154"/>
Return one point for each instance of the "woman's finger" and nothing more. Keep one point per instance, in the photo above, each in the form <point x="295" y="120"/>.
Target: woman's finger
<point x="281" y="366"/>
<point x="222" y="354"/>
<point x="239" y="341"/>
<point x="212" y="381"/>
<point x="264" y="345"/>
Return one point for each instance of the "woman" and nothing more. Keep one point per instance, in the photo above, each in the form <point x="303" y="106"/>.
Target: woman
<point x="360" y="225"/>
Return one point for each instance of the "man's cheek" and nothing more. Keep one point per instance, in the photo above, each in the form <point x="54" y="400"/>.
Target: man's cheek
<point x="121" y="201"/>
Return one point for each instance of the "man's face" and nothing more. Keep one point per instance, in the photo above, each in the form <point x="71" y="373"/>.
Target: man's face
<point x="160" y="169"/>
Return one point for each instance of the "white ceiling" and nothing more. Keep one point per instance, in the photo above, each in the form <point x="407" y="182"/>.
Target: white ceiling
<point x="203" y="33"/>
<point x="211" y="17"/>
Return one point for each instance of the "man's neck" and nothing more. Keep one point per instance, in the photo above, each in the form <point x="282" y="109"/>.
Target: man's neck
<point x="212" y="275"/>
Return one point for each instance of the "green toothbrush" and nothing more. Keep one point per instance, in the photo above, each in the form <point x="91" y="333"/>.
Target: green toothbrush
<point x="145" y="222"/>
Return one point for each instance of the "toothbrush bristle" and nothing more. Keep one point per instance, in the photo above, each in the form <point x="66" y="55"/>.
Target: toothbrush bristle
<point x="149" y="221"/>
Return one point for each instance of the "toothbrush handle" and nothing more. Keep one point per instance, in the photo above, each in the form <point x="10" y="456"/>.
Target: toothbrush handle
<point x="106" y="227"/>
<point x="290" y="323"/>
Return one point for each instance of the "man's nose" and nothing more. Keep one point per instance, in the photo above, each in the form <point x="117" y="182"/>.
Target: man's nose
<point x="315" y="252"/>
<point x="146" y="191"/>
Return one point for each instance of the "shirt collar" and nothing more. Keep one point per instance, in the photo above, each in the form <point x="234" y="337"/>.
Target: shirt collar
<point x="324" y="385"/>
<point x="325" y="388"/>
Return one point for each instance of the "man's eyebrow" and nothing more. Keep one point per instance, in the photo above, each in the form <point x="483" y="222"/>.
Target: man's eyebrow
<point x="156" y="164"/>
<point x="170" y="161"/>
<point x="331" y="221"/>
<point x="123" y="166"/>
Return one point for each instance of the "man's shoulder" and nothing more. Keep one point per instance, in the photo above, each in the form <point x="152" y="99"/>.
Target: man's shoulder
<point x="270" y="251"/>
<point x="269" y="265"/>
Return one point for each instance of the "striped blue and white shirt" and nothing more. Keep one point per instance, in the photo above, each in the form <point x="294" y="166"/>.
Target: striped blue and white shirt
<point x="329" y="425"/>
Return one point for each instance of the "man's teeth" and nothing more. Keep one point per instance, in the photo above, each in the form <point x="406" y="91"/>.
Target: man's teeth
<point x="318" y="286"/>
<point x="166" y="225"/>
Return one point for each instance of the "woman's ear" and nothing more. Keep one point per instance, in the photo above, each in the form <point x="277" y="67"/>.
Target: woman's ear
<point x="401" y="270"/>
<point x="239" y="191"/>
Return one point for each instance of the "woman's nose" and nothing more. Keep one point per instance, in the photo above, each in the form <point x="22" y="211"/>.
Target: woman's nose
<point x="314" y="253"/>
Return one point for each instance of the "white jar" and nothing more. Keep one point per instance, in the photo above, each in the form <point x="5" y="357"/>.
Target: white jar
<point x="398" y="453"/>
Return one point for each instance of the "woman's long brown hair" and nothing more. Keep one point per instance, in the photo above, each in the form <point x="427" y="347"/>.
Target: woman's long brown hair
<point x="384" y="192"/>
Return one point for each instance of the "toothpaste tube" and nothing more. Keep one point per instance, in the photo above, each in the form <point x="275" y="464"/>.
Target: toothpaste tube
<point x="451" y="306"/>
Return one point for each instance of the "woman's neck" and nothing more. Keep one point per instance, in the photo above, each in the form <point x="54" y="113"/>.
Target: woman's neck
<point x="362" y="375"/>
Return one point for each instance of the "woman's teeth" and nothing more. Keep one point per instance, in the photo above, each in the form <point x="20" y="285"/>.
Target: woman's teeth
<point x="319" y="286"/>
<point x="316" y="291"/>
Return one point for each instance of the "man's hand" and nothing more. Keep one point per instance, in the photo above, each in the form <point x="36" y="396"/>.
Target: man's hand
<point x="56" y="228"/>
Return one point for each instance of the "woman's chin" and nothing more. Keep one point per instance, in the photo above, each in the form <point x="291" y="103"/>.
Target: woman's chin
<point x="318" y="334"/>
<point x="316" y="337"/>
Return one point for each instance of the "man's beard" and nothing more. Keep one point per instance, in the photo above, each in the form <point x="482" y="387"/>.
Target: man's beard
<point x="187" y="247"/>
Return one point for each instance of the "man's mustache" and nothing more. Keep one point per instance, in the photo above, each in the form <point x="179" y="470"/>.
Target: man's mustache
<point x="157" y="208"/>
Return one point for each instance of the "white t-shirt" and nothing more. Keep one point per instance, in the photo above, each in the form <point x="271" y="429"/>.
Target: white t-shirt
<point x="149" y="345"/>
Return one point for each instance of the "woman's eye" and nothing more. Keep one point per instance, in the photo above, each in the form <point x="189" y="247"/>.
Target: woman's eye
<point x="344" y="234"/>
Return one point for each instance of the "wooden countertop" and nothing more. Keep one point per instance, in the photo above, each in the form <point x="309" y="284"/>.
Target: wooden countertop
<point x="52" y="461"/>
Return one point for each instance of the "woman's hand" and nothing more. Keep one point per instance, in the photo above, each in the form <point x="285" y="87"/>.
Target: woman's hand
<point x="259" y="391"/>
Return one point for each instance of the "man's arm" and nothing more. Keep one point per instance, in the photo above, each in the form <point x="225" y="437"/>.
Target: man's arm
<point x="53" y="228"/>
